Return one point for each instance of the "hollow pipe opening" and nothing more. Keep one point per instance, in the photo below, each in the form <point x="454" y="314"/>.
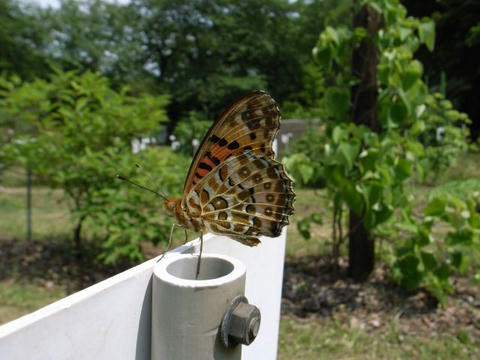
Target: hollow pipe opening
<point x="211" y="268"/>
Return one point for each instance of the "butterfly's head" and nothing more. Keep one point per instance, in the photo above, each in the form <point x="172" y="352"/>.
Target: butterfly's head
<point x="171" y="205"/>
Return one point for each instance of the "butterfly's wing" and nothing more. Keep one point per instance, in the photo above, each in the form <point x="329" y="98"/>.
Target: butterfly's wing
<point x="248" y="195"/>
<point x="234" y="184"/>
<point x="249" y="124"/>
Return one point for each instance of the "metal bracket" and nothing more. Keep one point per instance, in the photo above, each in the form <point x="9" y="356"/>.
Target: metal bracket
<point x="240" y="324"/>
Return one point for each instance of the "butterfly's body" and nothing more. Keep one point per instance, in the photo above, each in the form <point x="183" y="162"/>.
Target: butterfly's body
<point x="184" y="218"/>
<point x="234" y="186"/>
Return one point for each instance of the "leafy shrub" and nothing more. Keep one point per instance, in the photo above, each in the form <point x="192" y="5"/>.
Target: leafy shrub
<point x="460" y="189"/>
<point x="75" y="132"/>
<point x="429" y="257"/>
<point x="125" y="216"/>
<point x="361" y="170"/>
<point x="444" y="133"/>
<point x="365" y="170"/>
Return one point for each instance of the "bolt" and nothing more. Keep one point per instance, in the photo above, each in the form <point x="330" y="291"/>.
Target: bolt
<point x="240" y="323"/>
<point x="253" y="328"/>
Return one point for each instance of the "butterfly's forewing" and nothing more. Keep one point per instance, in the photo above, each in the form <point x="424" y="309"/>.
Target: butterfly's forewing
<point x="249" y="124"/>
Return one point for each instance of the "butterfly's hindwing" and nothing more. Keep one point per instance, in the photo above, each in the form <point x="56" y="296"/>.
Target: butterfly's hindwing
<point x="247" y="196"/>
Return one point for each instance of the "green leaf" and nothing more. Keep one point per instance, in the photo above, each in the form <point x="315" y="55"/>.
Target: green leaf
<point x="303" y="227"/>
<point x="435" y="207"/>
<point x="374" y="193"/>
<point x="428" y="260"/>
<point x="457" y="259"/>
<point x="369" y="219"/>
<point x="331" y="34"/>
<point x="306" y="172"/>
<point x="368" y="159"/>
<point x="424" y="237"/>
<point x="316" y="218"/>
<point x="411" y="276"/>
<point x="409" y="264"/>
<point x="403" y="170"/>
<point x="383" y="214"/>
<point x="334" y="176"/>
<point x="412" y="74"/>
<point x="337" y="134"/>
<point x="443" y="272"/>
<point x="461" y="236"/>
<point x="353" y="198"/>
<point x="337" y="101"/>
<point x="417" y="128"/>
<point x="426" y="33"/>
<point x="349" y="153"/>
<point x="404" y="32"/>
<point x="323" y="56"/>
<point x="398" y="111"/>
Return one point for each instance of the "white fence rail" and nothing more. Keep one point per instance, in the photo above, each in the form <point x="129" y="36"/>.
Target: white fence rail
<point x="113" y="319"/>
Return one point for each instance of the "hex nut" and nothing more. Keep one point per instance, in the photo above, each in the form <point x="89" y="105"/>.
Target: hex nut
<point x="240" y="324"/>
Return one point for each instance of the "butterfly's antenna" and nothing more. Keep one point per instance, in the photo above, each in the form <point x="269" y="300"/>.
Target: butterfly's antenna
<point x="138" y="166"/>
<point x="118" y="176"/>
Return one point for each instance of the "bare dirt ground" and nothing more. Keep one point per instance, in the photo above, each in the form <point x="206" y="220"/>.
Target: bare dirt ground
<point x="312" y="289"/>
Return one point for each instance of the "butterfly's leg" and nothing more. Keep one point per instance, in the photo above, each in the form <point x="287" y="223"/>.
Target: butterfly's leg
<point x="199" y="255"/>
<point x="186" y="236"/>
<point x="169" y="242"/>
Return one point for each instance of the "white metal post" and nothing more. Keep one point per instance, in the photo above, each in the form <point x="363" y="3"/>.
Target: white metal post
<point x="187" y="312"/>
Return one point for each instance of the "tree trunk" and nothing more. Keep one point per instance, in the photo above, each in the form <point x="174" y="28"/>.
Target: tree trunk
<point x="29" y="205"/>
<point x="364" y="112"/>
<point x="77" y="238"/>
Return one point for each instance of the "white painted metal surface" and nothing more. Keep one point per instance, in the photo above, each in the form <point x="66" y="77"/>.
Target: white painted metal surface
<point x="112" y="319"/>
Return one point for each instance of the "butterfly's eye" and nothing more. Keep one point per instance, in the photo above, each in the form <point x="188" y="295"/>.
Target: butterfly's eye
<point x="170" y="205"/>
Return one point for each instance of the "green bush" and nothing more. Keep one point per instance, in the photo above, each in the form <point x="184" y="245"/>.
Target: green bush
<point x="365" y="170"/>
<point x="428" y="257"/>
<point x="125" y="216"/>
<point x="75" y="132"/>
<point x="441" y="151"/>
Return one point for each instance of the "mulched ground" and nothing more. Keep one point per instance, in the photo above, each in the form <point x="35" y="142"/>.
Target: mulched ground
<point x="313" y="290"/>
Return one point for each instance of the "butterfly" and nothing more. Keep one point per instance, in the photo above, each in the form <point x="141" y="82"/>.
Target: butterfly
<point x="234" y="187"/>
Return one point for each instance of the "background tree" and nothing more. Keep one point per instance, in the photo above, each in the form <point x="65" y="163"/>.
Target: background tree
<point x="364" y="111"/>
<point x="377" y="109"/>
<point x="224" y="48"/>
<point x="453" y="67"/>
<point x="23" y="39"/>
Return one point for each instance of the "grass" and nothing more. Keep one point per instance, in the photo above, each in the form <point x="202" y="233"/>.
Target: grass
<point x="50" y="216"/>
<point x="296" y="244"/>
<point x="466" y="167"/>
<point x="311" y="338"/>
<point x="20" y="298"/>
